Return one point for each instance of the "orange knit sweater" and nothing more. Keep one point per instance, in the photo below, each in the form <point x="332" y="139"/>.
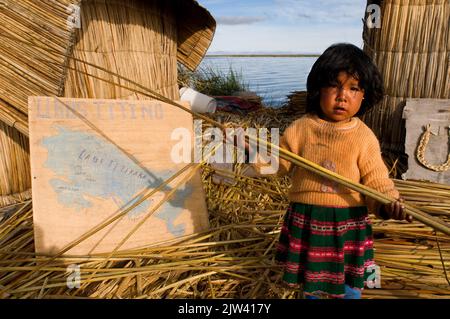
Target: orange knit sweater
<point x="350" y="149"/>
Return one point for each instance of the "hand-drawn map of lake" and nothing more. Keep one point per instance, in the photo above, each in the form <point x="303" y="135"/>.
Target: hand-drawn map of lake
<point x="92" y="160"/>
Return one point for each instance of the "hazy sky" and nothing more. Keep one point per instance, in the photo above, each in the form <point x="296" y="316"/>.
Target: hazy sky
<point x="298" y="26"/>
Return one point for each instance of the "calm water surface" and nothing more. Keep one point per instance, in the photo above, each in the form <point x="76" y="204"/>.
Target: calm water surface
<point x="272" y="78"/>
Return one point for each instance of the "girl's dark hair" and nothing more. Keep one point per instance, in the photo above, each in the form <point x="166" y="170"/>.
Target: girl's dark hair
<point x="348" y="58"/>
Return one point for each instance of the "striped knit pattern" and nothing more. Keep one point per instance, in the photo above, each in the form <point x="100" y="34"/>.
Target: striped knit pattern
<point x="349" y="149"/>
<point x="325" y="248"/>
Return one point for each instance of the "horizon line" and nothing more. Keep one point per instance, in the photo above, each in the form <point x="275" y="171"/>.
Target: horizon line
<point x="287" y="55"/>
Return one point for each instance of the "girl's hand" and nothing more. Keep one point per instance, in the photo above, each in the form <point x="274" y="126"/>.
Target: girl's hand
<point x="394" y="210"/>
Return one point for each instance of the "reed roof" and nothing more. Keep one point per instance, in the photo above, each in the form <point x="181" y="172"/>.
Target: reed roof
<point x="195" y="34"/>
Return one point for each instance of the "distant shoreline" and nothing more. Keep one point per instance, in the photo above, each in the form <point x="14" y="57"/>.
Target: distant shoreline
<point x="262" y="55"/>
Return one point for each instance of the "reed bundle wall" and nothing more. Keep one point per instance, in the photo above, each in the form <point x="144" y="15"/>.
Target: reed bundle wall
<point x="134" y="39"/>
<point x="411" y="49"/>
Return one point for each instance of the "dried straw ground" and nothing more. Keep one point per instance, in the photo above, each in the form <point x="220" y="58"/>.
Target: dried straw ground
<point x="234" y="259"/>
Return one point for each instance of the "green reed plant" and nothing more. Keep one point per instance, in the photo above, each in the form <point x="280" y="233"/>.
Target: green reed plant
<point x="212" y="81"/>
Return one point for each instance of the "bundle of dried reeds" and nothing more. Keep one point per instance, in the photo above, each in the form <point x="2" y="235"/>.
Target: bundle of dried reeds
<point x="14" y="166"/>
<point x="143" y="39"/>
<point x="38" y="22"/>
<point x="430" y="197"/>
<point x="411" y="50"/>
<point x="195" y="33"/>
<point x="22" y="75"/>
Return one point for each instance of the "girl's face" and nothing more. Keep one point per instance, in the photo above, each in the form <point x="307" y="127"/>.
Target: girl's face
<point x="341" y="101"/>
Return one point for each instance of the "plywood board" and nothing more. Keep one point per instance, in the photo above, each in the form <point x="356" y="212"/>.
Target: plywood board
<point x="419" y="113"/>
<point x="90" y="159"/>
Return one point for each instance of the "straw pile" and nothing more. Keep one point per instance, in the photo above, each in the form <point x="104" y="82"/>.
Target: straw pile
<point x="234" y="259"/>
<point x="196" y="28"/>
<point x="411" y="49"/>
<point x="13" y="145"/>
<point x="22" y="75"/>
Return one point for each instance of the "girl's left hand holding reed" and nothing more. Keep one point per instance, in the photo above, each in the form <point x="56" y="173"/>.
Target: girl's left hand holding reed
<point x="395" y="210"/>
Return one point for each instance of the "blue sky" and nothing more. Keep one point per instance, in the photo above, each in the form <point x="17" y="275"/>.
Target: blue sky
<point x="295" y="26"/>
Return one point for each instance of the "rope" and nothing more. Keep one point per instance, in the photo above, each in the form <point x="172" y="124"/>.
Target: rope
<point x="420" y="153"/>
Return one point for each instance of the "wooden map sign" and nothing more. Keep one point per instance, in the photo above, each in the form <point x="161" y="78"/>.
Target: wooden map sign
<point x="91" y="159"/>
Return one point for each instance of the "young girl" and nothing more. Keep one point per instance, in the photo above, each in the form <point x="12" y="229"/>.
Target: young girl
<point x="326" y="240"/>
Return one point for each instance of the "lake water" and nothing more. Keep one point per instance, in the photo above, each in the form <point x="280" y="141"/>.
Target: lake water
<point x="272" y="78"/>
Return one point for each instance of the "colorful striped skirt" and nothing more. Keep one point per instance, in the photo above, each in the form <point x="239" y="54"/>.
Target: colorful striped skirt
<point x="325" y="248"/>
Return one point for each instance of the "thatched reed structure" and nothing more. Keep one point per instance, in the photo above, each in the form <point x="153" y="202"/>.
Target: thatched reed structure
<point x="40" y="54"/>
<point x="411" y="49"/>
